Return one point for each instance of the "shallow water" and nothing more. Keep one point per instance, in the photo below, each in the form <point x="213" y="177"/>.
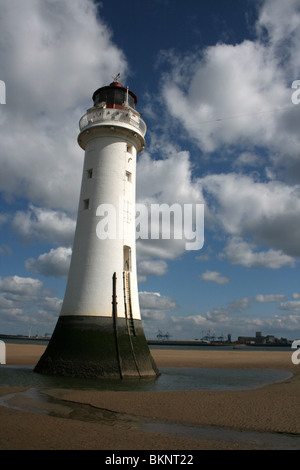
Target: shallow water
<point x="38" y="400"/>
<point x="171" y="379"/>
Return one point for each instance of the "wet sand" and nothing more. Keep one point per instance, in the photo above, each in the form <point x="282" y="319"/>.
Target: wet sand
<point x="118" y="420"/>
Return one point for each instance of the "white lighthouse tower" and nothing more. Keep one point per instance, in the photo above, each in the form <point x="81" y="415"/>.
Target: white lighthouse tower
<point x="99" y="332"/>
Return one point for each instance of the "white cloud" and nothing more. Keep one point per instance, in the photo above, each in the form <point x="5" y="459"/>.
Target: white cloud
<point x="268" y="212"/>
<point x="240" y="95"/>
<point x="167" y="181"/>
<point x="269" y="297"/>
<point x="45" y="225"/>
<point x="51" y="61"/>
<point x="233" y="308"/>
<point x="152" y="267"/>
<point x="278" y="24"/>
<point x="214" y="276"/>
<point x="235" y="101"/>
<point x="240" y="252"/>
<point x="293" y="305"/>
<point x="226" y="101"/>
<point x="17" y="285"/>
<point x="237" y="319"/>
<point x="25" y="303"/>
<point x="55" y="263"/>
<point x="154" y="306"/>
<point x="215" y="321"/>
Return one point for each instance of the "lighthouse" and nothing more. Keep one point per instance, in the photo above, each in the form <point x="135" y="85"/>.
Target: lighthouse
<point x="99" y="332"/>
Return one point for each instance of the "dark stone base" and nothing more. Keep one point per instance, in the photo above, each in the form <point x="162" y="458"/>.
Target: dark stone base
<point x="92" y="347"/>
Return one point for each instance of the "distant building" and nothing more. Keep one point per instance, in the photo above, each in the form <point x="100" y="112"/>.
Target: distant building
<point x="260" y="339"/>
<point x="246" y="339"/>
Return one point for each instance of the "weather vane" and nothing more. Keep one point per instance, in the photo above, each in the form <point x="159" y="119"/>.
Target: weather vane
<point x="117" y="78"/>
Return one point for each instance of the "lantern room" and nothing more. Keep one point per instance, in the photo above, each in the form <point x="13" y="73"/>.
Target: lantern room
<point x="115" y="96"/>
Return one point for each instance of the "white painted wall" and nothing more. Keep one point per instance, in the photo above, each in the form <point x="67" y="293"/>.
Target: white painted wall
<point x="109" y="153"/>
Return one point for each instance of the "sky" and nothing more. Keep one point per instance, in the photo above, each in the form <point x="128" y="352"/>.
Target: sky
<point x="214" y="85"/>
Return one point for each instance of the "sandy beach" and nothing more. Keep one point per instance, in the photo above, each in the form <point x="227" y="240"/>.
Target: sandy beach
<point x="139" y="420"/>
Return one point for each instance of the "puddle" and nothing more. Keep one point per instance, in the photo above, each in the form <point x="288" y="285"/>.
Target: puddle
<point x="34" y="401"/>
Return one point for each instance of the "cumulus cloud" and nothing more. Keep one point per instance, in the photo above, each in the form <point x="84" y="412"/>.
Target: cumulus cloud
<point x="230" y="318"/>
<point x="17" y="285"/>
<point x="278" y="24"/>
<point x="268" y="212"/>
<point x="214" y="276"/>
<point x="234" y="103"/>
<point x="55" y="263"/>
<point x="230" y="94"/>
<point x="52" y="61"/>
<point x="269" y="297"/>
<point x="152" y="267"/>
<point x="229" y="100"/>
<point x="43" y="224"/>
<point x="154" y="306"/>
<point x="24" y="302"/>
<point x="234" y="307"/>
<point x="293" y="305"/>
<point x="238" y="318"/>
<point x="240" y="252"/>
<point x="168" y="181"/>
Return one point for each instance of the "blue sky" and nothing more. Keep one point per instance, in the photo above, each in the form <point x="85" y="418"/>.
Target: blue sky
<point x="214" y="85"/>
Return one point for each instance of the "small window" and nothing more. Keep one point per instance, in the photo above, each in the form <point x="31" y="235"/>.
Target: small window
<point x="128" y="176"/>
<point x="130" y="149"/>
<point x="89" y="173"/>
<point x="127" y="258"/>
<point x="86" y="204"/>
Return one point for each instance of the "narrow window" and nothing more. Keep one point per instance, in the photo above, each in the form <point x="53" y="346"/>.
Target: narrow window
<point x="130" y="149"/>
<point x="128" y="176"/>
<point x="89" y="173"/>
<point x="86" y="204"/>
<point x="127" y="258"/>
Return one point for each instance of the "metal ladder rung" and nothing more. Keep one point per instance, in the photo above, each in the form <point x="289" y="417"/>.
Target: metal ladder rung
<point x="128" y="306"/>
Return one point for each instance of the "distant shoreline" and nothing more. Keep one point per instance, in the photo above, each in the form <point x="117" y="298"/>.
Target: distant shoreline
<point x="26" y="338"/>
<point x="154" y="342"/>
